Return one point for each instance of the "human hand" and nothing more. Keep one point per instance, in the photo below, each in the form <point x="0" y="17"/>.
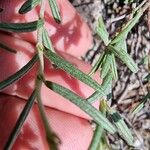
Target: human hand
<point x="69" y="122"/>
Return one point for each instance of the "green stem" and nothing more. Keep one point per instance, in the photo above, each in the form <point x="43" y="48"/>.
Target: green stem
<point x="52" y="138"/>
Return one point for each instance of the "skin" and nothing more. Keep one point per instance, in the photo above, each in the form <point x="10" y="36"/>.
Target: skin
<point x="72" y="36"/>
<point x="67" y="120"/>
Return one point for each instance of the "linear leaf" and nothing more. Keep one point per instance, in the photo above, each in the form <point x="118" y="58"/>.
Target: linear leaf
<point x="18" y="74"/>
<point x="55" y="10"/>
<point x="72" y="70"/>
<point x="7" y="48"/>
<point x="105" y="86"/>
<point x="13" y="136"/>
<point x="141" y="104"/>
<point x="99" y="132"/>
<point x="83" y="104"/>
<point x="123" y="34"/>
<point x="28" y="5"/>
<point x="125" y="58"/>
<point x="21" y="27"/>
<point x="114" y="67"/>
<point x="122" y="128"/>
<point x="102" y="32"/>
<point x="98" y="64"/>
<point x="106" y="65"/>
<point x="96" y="138"/>
<point x="121" y="45"/>
<point x="46" y="40"/>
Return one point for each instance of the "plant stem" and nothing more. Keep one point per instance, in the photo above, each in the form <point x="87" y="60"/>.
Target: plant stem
<point x="52" y="138"/>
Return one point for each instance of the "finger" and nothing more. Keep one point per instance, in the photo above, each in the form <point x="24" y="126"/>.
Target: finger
<point x="72" y="36"/>
<point x="25" y="86"/>
<point x="74" y="132"/>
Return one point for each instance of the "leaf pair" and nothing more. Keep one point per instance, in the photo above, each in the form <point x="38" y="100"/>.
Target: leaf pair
<point x="105" y="86"/>
<point x="84" y="105"/>
<point x="30" y="4"/>
<point x="72" y="70"/>
<point x="124" y="57"/>
<point x="117" y="47"/>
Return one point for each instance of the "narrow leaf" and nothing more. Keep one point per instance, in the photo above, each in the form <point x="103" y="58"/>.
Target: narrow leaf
<point x="21" y="27"/>
<point x="28" y="5"/>
<point x="98" y="64"/>
<point x="121" y="45"/>
<point x="99" y="132"/>
<point x="106" y="65"/>
<point x="122" y="128"/>
<point x="7" y="48"/>
<point x="125" y="58"/>
<point x="123" y="34"/>
<point x="55" y="10"/>
<point x="46" y="40"/>
<point x="114" y="67"/>
<point x="96" y="138"/>
<point x="105" y="86"/>
<point x="16" y="130"/>
<point x="72" y="70"/>
<point x="18" y="74"/>
<point x="141" y="104"/>
<point x="84" y="105"/>
<point x="102" y="32"/>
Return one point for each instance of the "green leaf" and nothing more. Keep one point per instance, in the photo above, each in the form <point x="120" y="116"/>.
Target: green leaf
<point x="114" y="67"/>
<point x="72" y="70"/>
<point x="82" y="104"/>
<point x="46" y="40"/>
<point x="28" y="5"/>
<point x="123" y="34"/>
<point x="21" y="27"/>
<point x="122" y="128"/>
<point x="102" y="32"/>
<point x="99" y="132"/>
<point x="96" y="138"/>
<point x="107" y="82"/>
<point x="125" y="58"/>
<point x="106" y="65"/>
<point x="98" y="64"/>
<point x="18" y="74"/>
<point x="105" y="86"/>
<point x="7" y="48"/>
<point x="13" y="136"/>
<point x="121" y="45"/>
<point x="55" y="10"/>
<point x="141" y="104"/>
